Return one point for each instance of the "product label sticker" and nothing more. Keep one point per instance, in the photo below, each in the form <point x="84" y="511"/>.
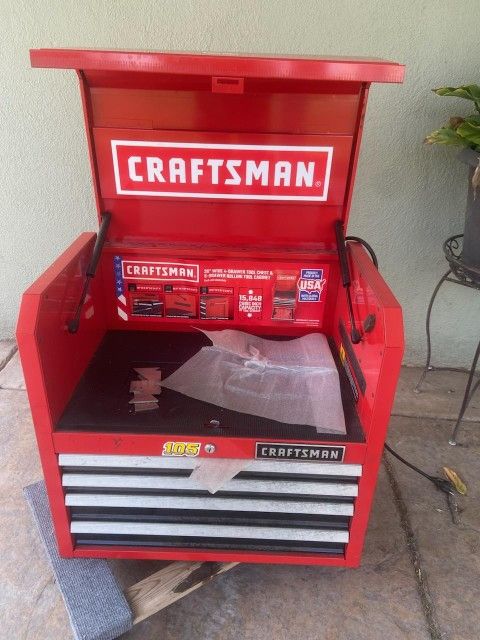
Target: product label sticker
<point x="310" y="285"/>
<point x="250" y="302"/>
<point x="245" y="291"/>
<point x="222" y="274"/>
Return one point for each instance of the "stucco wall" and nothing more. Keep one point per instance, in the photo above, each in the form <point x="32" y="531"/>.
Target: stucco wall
<point x="408" y="197"/>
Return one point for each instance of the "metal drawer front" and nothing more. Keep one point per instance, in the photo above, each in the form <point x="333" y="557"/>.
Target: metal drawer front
<point x="209" y="531"/>
<point x="152" y="501"/>
<point x="172" y="483"/>
<point x="212" y="503"/>
<point x="160" y="462"/>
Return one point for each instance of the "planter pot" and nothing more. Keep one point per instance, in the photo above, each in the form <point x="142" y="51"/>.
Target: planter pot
<point x="471" y="237"/>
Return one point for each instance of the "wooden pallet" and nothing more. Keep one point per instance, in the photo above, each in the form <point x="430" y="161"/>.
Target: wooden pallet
<point x="169" y="584"/>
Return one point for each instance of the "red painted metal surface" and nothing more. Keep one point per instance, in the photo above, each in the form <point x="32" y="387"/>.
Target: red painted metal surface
<point x="162" y="109"/>
<point x="265" y="67"/>
<point x="292" y="128"/>
<point x="130" y="553"/>
<point x="229" y="278"/>
<point x="380" y="354"/>
<point x="53" y="360"/>
<point x="141" y="444"/>
<point x="196" y="171"/>
<point x="283" y="119"/>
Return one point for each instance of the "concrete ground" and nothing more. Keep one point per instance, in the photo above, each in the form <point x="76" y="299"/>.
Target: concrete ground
<point x="420" y="576"/>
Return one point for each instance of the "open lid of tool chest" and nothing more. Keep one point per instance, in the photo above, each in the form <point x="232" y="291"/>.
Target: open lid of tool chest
<point x="222" y="149"/>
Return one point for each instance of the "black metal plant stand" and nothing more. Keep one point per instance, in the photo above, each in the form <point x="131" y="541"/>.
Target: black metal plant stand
<point x="462" y="274"/>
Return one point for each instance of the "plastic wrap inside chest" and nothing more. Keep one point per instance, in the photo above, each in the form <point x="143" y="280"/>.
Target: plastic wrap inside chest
<point x="292" y="381"/>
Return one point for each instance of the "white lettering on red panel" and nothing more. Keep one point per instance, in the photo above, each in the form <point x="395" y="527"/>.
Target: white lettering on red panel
<point x="233" y="171"/>
<point x="138" y="270"/>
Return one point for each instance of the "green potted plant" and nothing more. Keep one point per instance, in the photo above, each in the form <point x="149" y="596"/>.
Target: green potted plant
<point x="465" y="133"/>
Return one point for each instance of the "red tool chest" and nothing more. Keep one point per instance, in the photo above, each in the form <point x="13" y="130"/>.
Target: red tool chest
<point x="223" y="185"/>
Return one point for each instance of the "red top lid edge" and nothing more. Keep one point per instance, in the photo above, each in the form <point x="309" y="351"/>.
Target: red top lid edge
<point x="280" y="67"/>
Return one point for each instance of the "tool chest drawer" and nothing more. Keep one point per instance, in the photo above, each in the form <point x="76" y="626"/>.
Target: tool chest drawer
<point x="149" y="500"/>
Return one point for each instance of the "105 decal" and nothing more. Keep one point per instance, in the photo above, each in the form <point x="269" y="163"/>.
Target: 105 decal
<point x="190" y="449"/>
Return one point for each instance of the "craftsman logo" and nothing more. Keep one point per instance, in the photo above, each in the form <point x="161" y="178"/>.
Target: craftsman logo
<point x="232" y="171"/>
<point x="137" y="270"/>
<point x="305" y="452"/>
<point x="310" y="285"/>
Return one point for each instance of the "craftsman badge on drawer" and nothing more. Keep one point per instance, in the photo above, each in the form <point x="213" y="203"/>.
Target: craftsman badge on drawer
<point x="289" y="451"/>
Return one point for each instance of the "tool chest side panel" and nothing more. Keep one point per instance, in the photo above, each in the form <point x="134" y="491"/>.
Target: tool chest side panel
<point x="51" y="366"/>
<point x="378" y="358"/>
<point x="35" y="384"/>
<point x="62" y="357"/>
<point x="371" y="299"/>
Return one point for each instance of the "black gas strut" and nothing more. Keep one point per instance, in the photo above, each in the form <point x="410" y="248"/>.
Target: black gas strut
<point x="74" y="323"/>
<point x="346" y="279"/>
